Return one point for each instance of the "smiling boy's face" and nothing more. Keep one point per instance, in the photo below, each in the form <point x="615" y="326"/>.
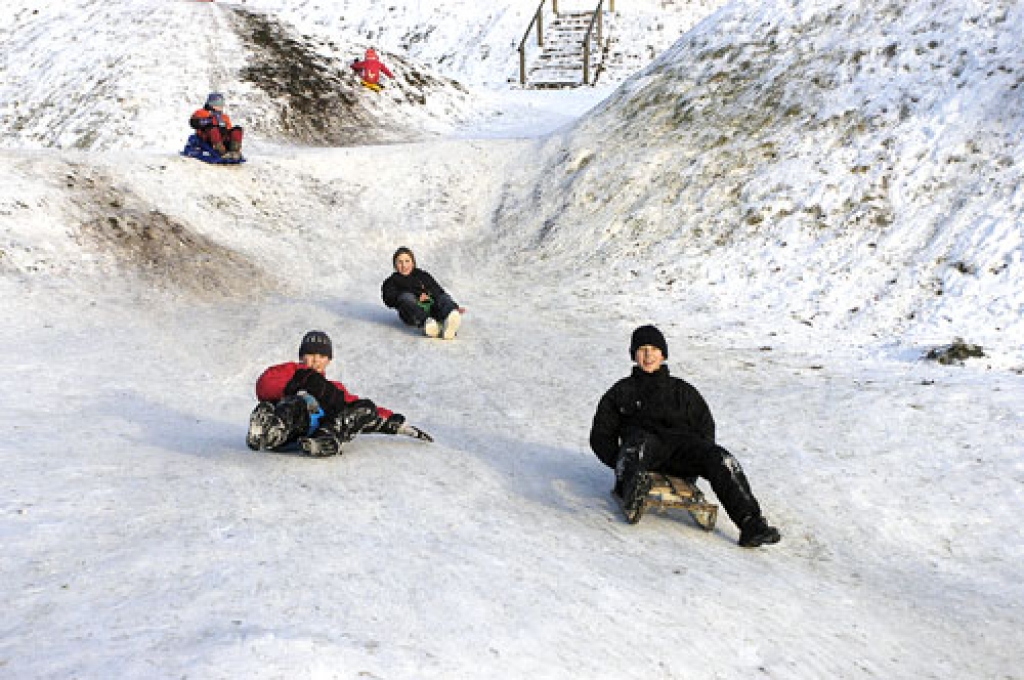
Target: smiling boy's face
<point x="404" y="264"/>
<point x="318" y="362"/>
<point x="649" y="358"/>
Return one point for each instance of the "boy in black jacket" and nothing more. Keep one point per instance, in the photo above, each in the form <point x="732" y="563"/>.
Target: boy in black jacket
<point x="419" y="299"/>
<point x="653" y="422"/>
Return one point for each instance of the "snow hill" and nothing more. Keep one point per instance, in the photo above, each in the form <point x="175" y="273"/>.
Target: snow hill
<point x="857" y="168"/>
<point x="806" y="195"/>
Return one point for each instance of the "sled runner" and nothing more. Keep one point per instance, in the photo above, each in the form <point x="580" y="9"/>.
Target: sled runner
<point x="669" y="492"/>
<point x="200" y="150"/>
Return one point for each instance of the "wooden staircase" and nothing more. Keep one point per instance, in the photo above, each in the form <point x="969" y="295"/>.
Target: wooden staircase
<point x="571" y="47"/>
<point x="552" y="53"/>
<point x="560" y="62"/>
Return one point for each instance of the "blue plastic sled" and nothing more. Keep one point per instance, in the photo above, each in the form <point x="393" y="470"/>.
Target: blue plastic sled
<point x="200" y="150"/>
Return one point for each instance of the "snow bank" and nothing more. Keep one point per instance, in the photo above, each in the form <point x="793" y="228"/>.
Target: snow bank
<point x="853" y="169"/>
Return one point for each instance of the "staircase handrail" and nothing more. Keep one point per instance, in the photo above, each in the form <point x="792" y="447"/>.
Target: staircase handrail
<point x="538" y="18"/>
<point x="598" y="19"/>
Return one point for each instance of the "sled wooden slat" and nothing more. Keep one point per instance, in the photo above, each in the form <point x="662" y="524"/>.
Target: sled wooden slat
<point x="672" y="492"/>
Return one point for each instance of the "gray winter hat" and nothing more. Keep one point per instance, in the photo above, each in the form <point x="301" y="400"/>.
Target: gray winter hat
<point x="316" y="342"/>
<point x="215" y="100"/>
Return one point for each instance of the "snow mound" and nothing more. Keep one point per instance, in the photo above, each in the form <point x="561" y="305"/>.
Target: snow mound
<point x="107" y="84"/>
<point x="856" y="169"/>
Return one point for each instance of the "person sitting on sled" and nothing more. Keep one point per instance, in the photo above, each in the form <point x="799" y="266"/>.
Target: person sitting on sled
<point x="213" y="126"/>
<point x="419" y="299"/>
<point x="651" y="421"/>
<point x="297" y="402"/>
<point x="369" y="69"/>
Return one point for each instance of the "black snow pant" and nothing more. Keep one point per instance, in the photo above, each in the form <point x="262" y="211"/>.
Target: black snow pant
<point x="344" y="417"/>
<point x="412" y="314"/>
<point x="691" y="456"/>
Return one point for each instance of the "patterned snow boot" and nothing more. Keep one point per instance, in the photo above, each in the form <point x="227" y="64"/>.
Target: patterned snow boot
<point x="266" y="429"/>
<point x="322" y="444"/>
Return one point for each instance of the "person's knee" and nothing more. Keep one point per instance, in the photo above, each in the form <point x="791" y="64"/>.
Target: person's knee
<point x="294" y="413"/>
<point x="729" y="462"/>
<point x="443" y="306"/>
<point x="409" y="310"/>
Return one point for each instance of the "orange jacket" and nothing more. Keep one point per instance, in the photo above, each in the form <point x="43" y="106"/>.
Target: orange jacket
<point x="204" y="119"/>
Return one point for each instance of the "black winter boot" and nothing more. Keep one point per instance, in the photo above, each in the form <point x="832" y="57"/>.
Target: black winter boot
<point x="358" y="416"/>
<point x="266" y="429"/>
<point x="633" y="479"/>
<point x="755" y="531"/>
<point x="322" y="444"/>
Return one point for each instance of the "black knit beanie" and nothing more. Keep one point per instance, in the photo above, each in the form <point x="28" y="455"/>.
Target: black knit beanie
<point x="647" y="335"/>
<point x="400" y="251"/>
<point x="316" y="342"/>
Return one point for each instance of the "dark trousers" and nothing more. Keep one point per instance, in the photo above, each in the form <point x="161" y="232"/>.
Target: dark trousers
<point x="691" y="456"/>
<point x="412" y="314"/>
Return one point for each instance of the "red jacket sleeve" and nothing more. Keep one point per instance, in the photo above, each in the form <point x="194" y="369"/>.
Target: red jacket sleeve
<point x="270" y="386"/>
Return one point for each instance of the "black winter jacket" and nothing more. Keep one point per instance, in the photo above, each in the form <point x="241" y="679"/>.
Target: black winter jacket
<point x="418" y="281"/>
<point x="669" y="407"/>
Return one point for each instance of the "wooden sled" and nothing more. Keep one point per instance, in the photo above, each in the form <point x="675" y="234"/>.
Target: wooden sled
<point x="669" y="492"/>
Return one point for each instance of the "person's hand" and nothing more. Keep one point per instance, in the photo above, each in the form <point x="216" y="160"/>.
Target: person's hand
<point x="412" y="431"/>
<point x="396" y="424"/>
<point x="424" y="297"/>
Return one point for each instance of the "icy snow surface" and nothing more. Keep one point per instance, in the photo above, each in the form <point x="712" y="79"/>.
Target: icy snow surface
<point x="806" y="195"/>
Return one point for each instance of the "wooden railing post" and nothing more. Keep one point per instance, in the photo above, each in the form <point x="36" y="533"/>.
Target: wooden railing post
<point x="538" y="18"/>
<point x="597" y="18"/>
<point x="586" y="62"/>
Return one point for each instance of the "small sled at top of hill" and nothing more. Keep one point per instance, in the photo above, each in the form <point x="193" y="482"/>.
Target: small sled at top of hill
<point x="668" y="492"/>
<point x="200" y="150"/>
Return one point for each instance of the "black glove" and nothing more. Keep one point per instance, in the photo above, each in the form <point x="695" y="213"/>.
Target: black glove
<point x="412" y="431"/>
<point x="396" y="425"/>
<point x="391" y="425"/>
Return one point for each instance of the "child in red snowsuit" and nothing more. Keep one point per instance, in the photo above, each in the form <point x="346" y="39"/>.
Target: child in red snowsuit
<point x="298" y="402"/>
<point x="213" y="126"/>
<point x="369" y="69"/>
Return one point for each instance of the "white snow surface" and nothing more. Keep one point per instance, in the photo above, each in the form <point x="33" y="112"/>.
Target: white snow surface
<point x="805" y="195"/>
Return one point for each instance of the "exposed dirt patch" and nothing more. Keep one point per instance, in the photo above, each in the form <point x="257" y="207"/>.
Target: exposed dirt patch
<point x="956" y="353"/>
<point x="163" y="251"/>
<point x="318" y="98"/>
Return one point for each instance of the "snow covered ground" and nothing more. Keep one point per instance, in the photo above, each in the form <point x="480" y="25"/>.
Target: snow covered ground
<point x="143" y="293"/>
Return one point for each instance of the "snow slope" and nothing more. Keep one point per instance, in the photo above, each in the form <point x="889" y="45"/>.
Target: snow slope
<point x="855" y="165"/>
<point x="143" y="293"/>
